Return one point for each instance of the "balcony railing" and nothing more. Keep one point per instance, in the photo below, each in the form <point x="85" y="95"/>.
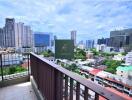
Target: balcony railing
<point x="14" y="65"/>
<point x="57" y="83"/>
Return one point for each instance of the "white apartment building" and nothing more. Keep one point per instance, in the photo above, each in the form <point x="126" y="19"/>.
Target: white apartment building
<point x="128" y="58"/>
<point x="118" y="57"/>
<point x="19" y="31"/>
<point x="23" y="37"/>
<point x="101" y="47"/>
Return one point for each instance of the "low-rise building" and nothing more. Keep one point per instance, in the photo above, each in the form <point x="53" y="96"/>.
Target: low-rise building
<point x="106" y="79"/>
<point x="118" y="57"/>
<point x="89" y="55"/>
<point x="125" y="72"/>
<point x="101" y="47"/>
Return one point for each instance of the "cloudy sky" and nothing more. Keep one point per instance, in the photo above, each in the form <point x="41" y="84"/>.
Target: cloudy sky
<point x="91" y="18"/>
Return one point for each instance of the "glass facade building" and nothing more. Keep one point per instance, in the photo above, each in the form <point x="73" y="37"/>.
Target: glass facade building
<point x="41" y="39"/>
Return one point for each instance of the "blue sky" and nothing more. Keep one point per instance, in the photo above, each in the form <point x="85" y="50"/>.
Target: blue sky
<point x="91" y="18"/>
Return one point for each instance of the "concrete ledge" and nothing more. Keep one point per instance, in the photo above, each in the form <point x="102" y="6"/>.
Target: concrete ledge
<point x="13" y="81"/>
<point x="35" y="88"/>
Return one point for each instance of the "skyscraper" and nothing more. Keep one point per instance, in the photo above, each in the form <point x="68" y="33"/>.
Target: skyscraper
<point x="1" y="37"/>
<point x="105" y="41"/>
<point x="121" y="38"/>
<point x="42" y="41"/>
<point x="89" y="44"/>
<point x="73" y="36"/>
<point x="23" y="37"/>
<point x="9" y="33"/>
<point x="16" y="35"/>
<point x="19" y="33"/>
<point x="27" y="37"/>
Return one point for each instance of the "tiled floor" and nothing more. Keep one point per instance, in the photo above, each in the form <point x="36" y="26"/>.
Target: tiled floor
<point x="21" y="91"/>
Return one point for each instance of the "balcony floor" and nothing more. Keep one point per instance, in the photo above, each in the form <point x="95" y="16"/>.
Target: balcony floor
<point x="21" y="91"/>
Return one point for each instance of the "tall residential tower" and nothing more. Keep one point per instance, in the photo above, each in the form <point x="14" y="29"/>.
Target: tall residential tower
<point x="1" y="37"/>
<point x="9" y="33"/>
<point x="73" y="36"/>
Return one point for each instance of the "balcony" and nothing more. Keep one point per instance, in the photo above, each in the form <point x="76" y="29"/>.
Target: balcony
<point x="52" y="82"/>
<point x="56" y="83"/>
<point x="22" y="91"/>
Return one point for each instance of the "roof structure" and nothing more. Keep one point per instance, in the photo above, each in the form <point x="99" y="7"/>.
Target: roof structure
<point x="94" y="71"/>
<point x="126" y="68"/>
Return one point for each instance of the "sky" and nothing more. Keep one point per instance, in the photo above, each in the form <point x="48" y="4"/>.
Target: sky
<point x="92" y="19"/>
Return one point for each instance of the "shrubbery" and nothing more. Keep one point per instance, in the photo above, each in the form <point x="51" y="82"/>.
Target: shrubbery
<point x="13" y="70"/>
<point x="111" y="65"/>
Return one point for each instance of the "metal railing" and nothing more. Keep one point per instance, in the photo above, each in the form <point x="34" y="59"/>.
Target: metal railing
<point x="57" y="83"/>
<point x="13" y="65"/>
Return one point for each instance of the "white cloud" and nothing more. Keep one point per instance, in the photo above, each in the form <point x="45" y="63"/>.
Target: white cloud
<point x="89" y="18"/>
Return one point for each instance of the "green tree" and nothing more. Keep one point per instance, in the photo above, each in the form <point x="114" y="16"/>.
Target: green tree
<point x="79" y="54"/>
<point x="12" y="70"/>
<point x="47" y="53"/>
<point x="111" y="65"/>
<point x="94" y="51"/>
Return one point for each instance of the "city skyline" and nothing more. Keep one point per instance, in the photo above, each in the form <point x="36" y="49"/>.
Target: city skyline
<point x="92" y="20"/>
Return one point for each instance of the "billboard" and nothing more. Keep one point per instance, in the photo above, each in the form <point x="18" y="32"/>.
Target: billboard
<point x="64" y="49"/>
<point x="41" y="40"/>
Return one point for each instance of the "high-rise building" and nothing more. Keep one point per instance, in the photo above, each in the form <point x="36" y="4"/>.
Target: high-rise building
<point x="73" y="36"/>
<point x="19" y="33"/>
<point x="9" y="33"/>
<point x="23" y="37"/>
<point x="16" y="35"/>
<point x="27" y="37"/>
<point x="89" y="44"/>
<point x="121" y="38"/>
<point x="55" y="37"/>
<point x="105" y="41"/>
<point x="1" y="37"/>
<point x="42" y="41"/>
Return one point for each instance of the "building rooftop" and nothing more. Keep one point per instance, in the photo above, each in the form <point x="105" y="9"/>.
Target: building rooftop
<point x="95" y="71"/>
<point x="126" y="68"/>
<point x="118" y="82"/>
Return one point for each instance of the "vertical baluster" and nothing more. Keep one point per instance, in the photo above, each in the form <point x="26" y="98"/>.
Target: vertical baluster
<point x="1" y="66"/>
<point x="28" y="62"/>
<point x="96" y="96"/>
<point x="66" y="87"/>
<point x="71" y="89"/>
<point x="59" y="86"/>
<point x="78" y="91"/>
<point x="86" y="93"/>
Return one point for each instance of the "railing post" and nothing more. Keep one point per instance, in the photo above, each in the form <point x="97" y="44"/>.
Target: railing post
<point x="28" y="55"/>
<point x="96" y="96"/>
<point x="71" y="89"/>
<point x="86" y="93"/>
<point x="58" y="85"/>
<point x="1" y="66"/>
<point x="78" y="91"/>
<point x="66" y="87"/>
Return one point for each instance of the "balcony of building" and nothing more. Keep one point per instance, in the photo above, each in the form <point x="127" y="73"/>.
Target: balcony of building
<point x="21" y="91"/>
<point x="49" y="81"/>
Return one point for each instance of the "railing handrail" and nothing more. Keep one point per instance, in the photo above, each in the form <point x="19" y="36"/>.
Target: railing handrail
<point x="89" y="84"/>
